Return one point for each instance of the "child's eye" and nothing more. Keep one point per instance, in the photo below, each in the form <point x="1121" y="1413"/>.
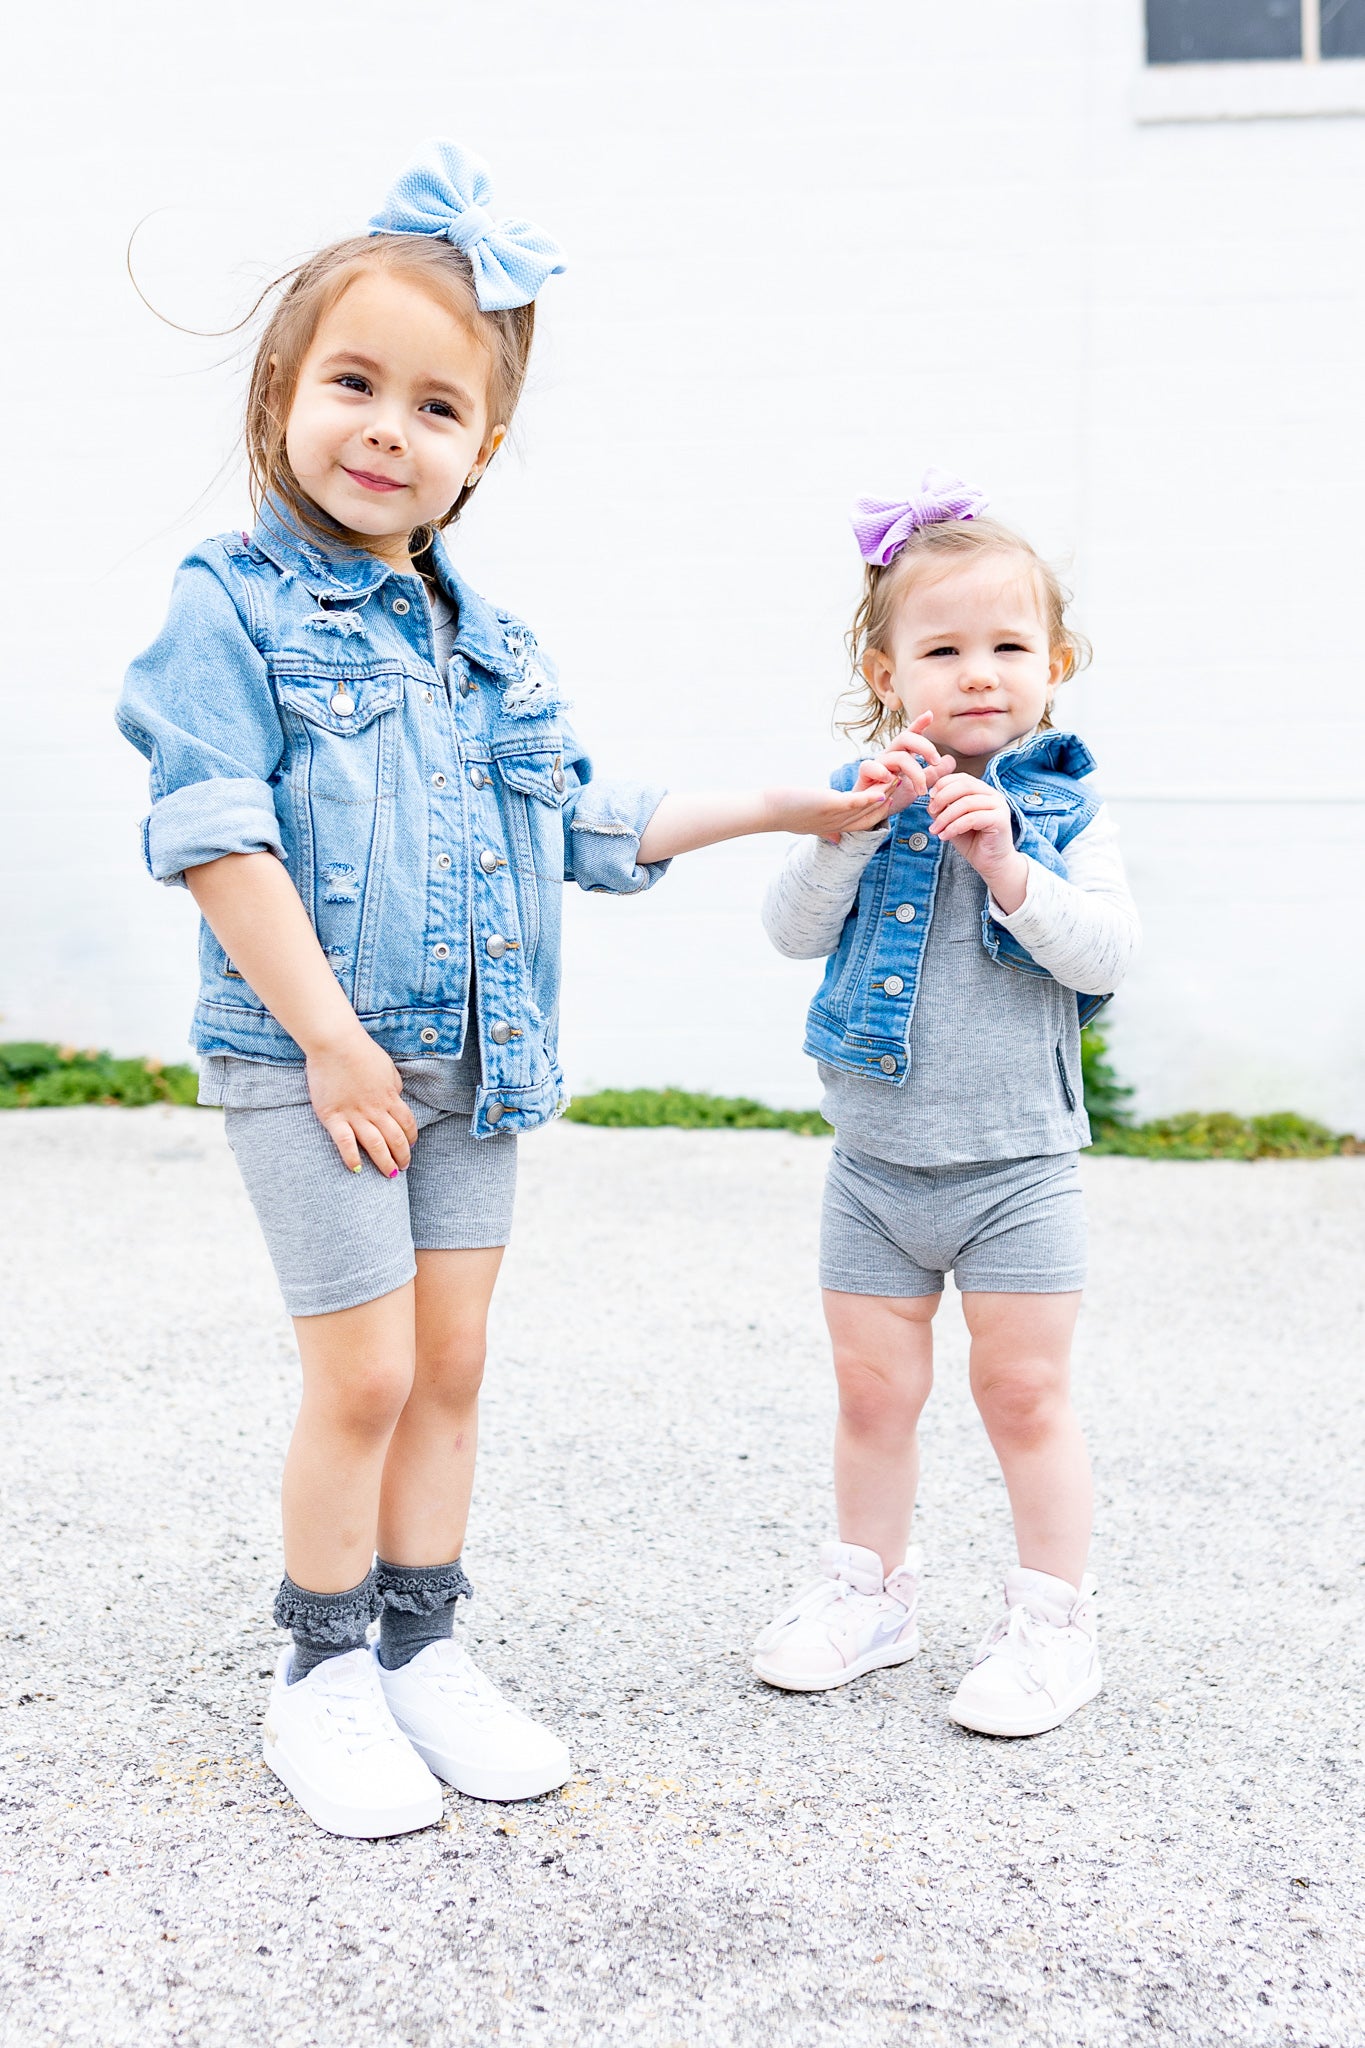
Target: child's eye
<point x="441" y="409"/>
<point x="349" y="381"/>
<point x="1011" y="647"/>
<point x="934" y="652"/>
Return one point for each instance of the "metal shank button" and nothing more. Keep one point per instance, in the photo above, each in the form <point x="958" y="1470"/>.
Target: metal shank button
<point x="430" y="696"/>
<point x="401" y="605"/>
<point x="887" y="1063"/>
<point x="477" y="778"/>
<point x="343" y="703"/>
<point x="442" y="951"/>
<point x="500" y="1033"/>
<point x="438" y="780"/>
<point x="488" y="861"/>
<point x="918" y="841"/>
<point x="443" y="860"/>
<point x="428" y="1037"/>
<point x="557" y="776"/>
<point x="893" y="984"/>
<point x="495" y="1112"/>
<point x="905" y="913"/>
<point x="1033" y="797"/>
<point x="495" y="947"/>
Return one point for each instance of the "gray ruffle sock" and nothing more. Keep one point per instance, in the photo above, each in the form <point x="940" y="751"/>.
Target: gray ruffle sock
<point x="324" y="1625"/>
<point x="417" y="1607"/>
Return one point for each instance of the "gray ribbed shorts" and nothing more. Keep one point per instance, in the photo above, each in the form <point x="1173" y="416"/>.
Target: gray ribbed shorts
<point x="1005" y="1226"/>
<point x="337" y="1238"/>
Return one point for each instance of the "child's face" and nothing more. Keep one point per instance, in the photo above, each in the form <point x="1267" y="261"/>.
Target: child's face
<point x="390" y="413"/>
<point x="969" y="645"/>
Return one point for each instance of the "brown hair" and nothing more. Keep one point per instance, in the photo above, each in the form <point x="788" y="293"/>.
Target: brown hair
<point x="930" y="552"/>
<point x="309" y="294"/>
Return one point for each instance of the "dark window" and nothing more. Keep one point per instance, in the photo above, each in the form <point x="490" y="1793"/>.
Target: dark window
<point x="1210" y="31"/>
<point x="1343" y="28"/>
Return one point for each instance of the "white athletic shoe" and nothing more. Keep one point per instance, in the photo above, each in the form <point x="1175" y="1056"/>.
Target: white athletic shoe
<point x="850" y="1621"/>
<point x="1037" y="1663"/>
<point x="332" y="1740"/>
<point x="460" y="1724"/>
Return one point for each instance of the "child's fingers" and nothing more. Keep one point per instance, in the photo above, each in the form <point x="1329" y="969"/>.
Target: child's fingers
<point x="375" y="1146"/>
<point x="391" y="1130"/>
<point x="976" y="811"/>
<point x="406" y="1121"/>
<point x="343" y="1137"/>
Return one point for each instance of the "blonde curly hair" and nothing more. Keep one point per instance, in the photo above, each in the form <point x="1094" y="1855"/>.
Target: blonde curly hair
<point x="929" y="553"/>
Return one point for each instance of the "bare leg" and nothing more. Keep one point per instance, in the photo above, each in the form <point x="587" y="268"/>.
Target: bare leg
<point x="357" y="1374"/>
<point x="429" y="1471"/>
<point x="1021" y="1378"/>
<point x="884" y="1363"/>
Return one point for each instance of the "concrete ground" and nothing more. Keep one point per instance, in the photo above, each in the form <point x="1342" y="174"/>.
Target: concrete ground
<point x="1181" y="1861"/>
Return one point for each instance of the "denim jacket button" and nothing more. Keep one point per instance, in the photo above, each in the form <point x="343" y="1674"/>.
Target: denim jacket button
<point x="905" y="913"/>
<point x="442" y="951"/>
<point x="401" y="606"/>
<point x="893" y="984"/>
<point x="918" y="841"/>
<point x="429" y="696"/>
<point x="488" y="861"/>
<point x="443" y="860"/>
<point x="343" y="703"/>
<point x="438" y="780"/>
<point x="500" y="1033"/>
<point x="428" y="1037"/>
<point x="495" y="1112"/>
<point x="1033" y="797"/>
<point x="477" y="778"/>
<point x="495" y="947"/>
<point x="887" y="1063"/>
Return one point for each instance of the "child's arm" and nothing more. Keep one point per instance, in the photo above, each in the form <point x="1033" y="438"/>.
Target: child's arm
<point x="256" y="914"/>
<point x="1083" y="928"/>
<point x="683" y="823"/>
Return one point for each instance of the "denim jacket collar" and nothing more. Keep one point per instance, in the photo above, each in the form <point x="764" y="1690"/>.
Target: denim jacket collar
<point x="351" y="575"/>
<point x="1058" y="753"/>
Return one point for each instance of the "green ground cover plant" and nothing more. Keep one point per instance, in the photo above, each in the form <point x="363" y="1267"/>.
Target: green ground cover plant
<point x="34" y="1075"/>
<point x="38" y="1076"/>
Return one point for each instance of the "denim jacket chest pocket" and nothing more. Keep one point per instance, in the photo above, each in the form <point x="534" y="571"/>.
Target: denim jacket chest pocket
<point x="344" y="742"/>
<point x="532" y="788"/>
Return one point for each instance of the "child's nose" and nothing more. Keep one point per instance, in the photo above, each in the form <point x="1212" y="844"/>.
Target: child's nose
<point x="383" y="434"/>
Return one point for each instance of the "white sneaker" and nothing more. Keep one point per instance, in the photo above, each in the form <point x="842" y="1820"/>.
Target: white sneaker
<point x="460" y="1724"/>
<point x="1037" y="1663"/>
<point x="332" y="1740"/>
<point x="850" y="1621"/>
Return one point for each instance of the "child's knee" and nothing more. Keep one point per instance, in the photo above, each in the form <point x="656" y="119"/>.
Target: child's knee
<point x="1023" y="1402"/>
<point x="369" y="1400"/>
<point x="874" y="1400"/>
<point x="449" y="1375"/>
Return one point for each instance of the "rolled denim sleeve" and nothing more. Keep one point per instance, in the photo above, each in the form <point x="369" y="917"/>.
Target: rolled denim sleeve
<point x="603" y="825"/>
<point x="199" y="705"/>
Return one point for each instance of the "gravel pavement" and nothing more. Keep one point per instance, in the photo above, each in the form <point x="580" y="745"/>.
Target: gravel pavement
<point x="1183" y="1860"/>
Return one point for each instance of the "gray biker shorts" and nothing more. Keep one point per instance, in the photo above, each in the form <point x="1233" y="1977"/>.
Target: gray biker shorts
<point x="338" y="1238"/>
<point x="1005" y="1226"/>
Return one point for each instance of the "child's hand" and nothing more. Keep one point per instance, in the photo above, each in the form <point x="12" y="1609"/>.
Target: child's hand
<point x="357" y="1096"/>
<point x="977" y="819"/>
<point x="908" y="768"/>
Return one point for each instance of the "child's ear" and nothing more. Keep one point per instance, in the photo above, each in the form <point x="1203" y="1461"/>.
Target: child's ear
<point x="877" y="674"/>
<point x="496" y="437"/>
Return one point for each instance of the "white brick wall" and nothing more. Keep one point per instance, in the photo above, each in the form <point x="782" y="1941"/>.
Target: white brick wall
<point x="815" y="247"/>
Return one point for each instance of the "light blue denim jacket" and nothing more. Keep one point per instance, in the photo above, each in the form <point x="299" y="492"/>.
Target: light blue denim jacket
<point x="291" y="705"/>
<point x="860" y="1018"/>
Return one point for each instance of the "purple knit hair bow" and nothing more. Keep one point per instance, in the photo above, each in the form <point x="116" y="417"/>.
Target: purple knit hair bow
<point x="884" y="525"/>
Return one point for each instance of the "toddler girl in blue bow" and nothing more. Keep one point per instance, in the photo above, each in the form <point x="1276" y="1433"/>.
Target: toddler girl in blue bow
<point x="968" y="940"/>
<point x="364" y="775"/>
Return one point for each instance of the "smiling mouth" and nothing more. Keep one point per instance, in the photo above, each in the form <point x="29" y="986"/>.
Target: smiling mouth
<point x="369" y="482"/>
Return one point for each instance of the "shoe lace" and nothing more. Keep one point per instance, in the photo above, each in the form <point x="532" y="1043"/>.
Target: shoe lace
<point x="459" y="1679"/>
<point x="1025" y="1638"/>
<point x="358" y="1718"/>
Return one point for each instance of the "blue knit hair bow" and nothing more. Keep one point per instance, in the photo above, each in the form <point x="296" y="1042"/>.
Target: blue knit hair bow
<point x="445" y="191"/>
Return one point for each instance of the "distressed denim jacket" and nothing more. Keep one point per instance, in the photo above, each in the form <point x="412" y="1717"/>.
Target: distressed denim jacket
<point x="291" y="705"/>
<point x="860" y="1018"/>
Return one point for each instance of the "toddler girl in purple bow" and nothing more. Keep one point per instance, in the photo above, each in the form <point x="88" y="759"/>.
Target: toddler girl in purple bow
<point x="968" y="939"/>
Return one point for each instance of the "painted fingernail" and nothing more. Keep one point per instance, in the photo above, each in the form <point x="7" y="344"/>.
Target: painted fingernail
<point x="394" y="1174"/>
<point x="356" y="1167"/>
